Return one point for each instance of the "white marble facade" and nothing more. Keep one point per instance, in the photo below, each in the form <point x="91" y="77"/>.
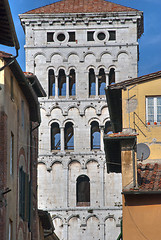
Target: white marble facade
<point x="56" y="45"/>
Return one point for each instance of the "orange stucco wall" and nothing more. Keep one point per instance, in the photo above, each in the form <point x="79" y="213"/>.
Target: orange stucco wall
<point x="142" y="217"/>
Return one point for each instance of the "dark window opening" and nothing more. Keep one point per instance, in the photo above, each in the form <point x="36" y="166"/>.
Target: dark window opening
<point x="101" y="36"/>
<point x="101" y="82"/>
<point x="72" y="82"/>
<point x="69" y="136"/>
<point x="113" y="153"/>
<point x="50" y="37"/>
<point x="90" y="36"/>
<point x="61" y="37"/>
<point x="95" y="136"/>
<point x="112" y="35"/>
<point x="55" y="136"/>
<point x="71" y="36"/>
<point x="112" y="76"/>
<point x="61" y="83"/>
<point x="108" y="128"/>
<point x="51" y="82"/>
<point x="83" y="191"/>
<point x="92" y="82"/>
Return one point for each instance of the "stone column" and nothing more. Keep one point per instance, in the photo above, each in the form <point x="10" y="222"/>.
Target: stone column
<point x="62" y="138"/>
<point x="65" y="233"/>
<point x="101" y="136"/>
<point x="97" y="84"/>
<point x="107" y="78"/>
<point x="67" y="86"/>
<point x="56" y="86"/>
<point x="102" y="200"/>
<point x="102" y="231"/>
<point x="66" y="182"/>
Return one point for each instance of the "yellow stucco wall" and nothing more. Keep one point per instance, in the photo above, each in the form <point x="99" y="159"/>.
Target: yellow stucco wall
<point x="149" y="134"/>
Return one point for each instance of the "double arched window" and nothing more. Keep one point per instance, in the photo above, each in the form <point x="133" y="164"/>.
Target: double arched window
<point x="61" y="83"/>
<point x="72" y="82"/>
<point x="92" y="82"/>
<point x="69" y="136"/>
<point x="83" y="190"/>
<point x="55" y="136"/>
<point x="95" y="136"/>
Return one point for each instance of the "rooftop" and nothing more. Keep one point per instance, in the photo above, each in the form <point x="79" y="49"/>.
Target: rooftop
<point x="81" y="6"/>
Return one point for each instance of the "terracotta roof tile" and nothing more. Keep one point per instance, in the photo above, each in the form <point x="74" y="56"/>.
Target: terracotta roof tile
<point x="80" y="6"/>
<point x="149" y="177"/>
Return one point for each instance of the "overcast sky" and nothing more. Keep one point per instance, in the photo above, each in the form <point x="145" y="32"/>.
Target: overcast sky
<point x="150" y="42"/>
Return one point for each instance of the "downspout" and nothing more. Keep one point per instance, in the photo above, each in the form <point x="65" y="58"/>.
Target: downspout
<point x="11" y="61"/>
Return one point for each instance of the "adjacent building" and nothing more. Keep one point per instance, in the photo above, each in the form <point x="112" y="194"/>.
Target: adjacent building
<point x="76" y="48"/>
<point x="136" y="139"/>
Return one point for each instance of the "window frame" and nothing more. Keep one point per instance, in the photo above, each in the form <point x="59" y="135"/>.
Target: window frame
<point x="155" y="110"/>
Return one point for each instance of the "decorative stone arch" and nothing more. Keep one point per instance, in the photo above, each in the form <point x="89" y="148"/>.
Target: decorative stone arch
<point x="94" y="119"/>
<point x="72" y="216"/>
<point x="70" y="68"/>
<point x="54" y="120"/>
<point x="55" y="161"/>
<point x="73" y="106"/>
<point x="72" y="161"/>
<point x="89" y="106"/>
<point x="68" y="120"/>
<point x="55" y="53"/>
<point x="101" y="66"/>
<point x="87" y="53"/>
<point x="112" y="66"/>
<point x="72" y="53"/>
<point x="90" y="160"/>
<point x="106" y="119"/>
<point x="109" y="216"/>
<point x="61" y="67"/>
<point x="89" y="67"/>
<point x="55" y="106"/>
<point x="105" y="52"/>
<point x="120" y="52"/>
<point x="39" y="54"/>
<point x="41" y="161"/>
<point x="57" y="216"/>
<point x="92" y="215"/>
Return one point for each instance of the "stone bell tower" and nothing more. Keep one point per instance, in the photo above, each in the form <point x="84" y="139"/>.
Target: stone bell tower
<point x="76" y="48"/>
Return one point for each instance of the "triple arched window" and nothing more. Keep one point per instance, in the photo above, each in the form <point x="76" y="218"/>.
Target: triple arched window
<point x="83" y="190"/>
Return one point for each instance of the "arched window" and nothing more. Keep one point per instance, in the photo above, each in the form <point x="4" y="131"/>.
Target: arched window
<point x="101" y="82"/>
<point x="51" y="82"/>
<point x="92" y="82"/>
<point x="72" y="82"/>
<point x="83" y="191"/>
<point x="108" y="128"/>
<point x="61" y="83"/>
<point x="55" y="136"/>
<point x="95" y="135"/>
<point x="112" y="76"/>
<point x="69" y="136"/>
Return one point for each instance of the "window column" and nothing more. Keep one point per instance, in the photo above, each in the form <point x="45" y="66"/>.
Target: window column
<point x="67" y="86"/>
<point x="97" y="85"/>
<point x="62" y="138"/>
<point x="56" y="86"/>
<point x="107" y="78"/>
<point x="101" y="136"/>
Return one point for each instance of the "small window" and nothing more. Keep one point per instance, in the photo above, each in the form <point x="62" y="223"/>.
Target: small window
<point x="55" y="136"/>
<point x="50" y="37"/>
<point x="11" y="153"/>
<point x="112" y="76"/>
<point x="71" y="36"/>
<point x="90" y="36"/>
<point x="112" y="35"/>
<point x="101" y="36"/>
<point x="51" y="82"/>
<point x="61" y="37"/>
<point x="83" y="191"/>
<point x="92" y="82"/>
<point x="153" y="110"/>
<point x="61" y="83"/>
<point x="95" y="136"/>
<point x="101" y="82"/>
<point x="72" y="82"/>
<point x="69" y="136"/>
<point x="12" y="94"/>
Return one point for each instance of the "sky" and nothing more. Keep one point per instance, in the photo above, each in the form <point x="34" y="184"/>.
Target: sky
<point x="150" y="42"/>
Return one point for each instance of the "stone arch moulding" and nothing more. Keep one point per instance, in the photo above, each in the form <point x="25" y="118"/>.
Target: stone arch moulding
<point x="54" y="107"/>
<point x="110" y="216"/>
<point x="54" y="120"/>
<point x="112" y="66"/>
<point x="106" y="120"/>
<point x="92" y="215"/>
<point x="89" y="53"/>
<point x="101" y="66"/>
<point x="91" y="160"/>
<point x="73" y="53"/>
<point x="70" y="68"/>
<point x="61" y="67"/>
<point x="88" y="106"/>
<point x="54" y="162"/>
<point x="73" y="106"/>
<point x="94" y="119"/>
<point x="73" y="161"/>
<point x="55" y="53"/>
<point x="68" y="120"/>
<point x="57" y="216"/>
<point x="90" y="67"/>
<point x="123" y="51"/>
<point x="39" y="54"/>
<point x="73" y="216"/>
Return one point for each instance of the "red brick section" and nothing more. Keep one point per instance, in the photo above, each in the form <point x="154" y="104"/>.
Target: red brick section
<point x="3" y="171"/>
<point x="81" y="6"/>
<point x="149" y="177"/>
